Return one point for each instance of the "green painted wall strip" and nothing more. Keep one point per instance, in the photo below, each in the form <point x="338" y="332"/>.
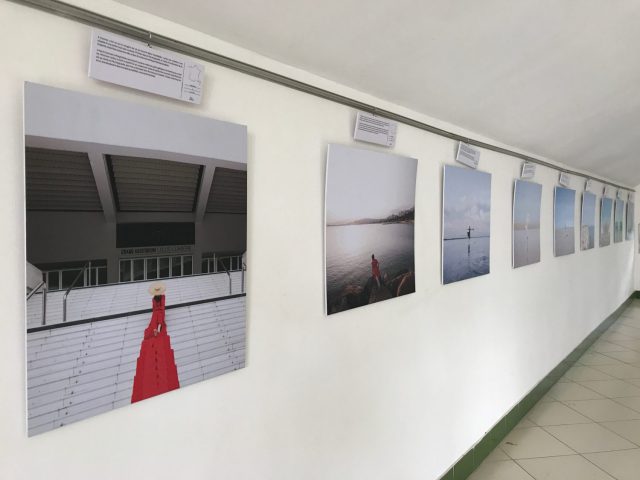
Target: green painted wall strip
<point x="474" y="457"/>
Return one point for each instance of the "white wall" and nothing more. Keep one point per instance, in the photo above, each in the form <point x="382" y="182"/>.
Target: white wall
<point x="395" y="390"/>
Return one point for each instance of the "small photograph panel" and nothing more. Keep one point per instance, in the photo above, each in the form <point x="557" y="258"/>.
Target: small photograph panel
<point x="526" y="223"/>
<point x="618" y="221"/>
<point x="466" y="224"/>
<point x="588" y="221"/>
<point x="606" y="210"/>
<point x="629" y="220"/>
<point x="564" y="221"/>
<point x="369" y="227"/>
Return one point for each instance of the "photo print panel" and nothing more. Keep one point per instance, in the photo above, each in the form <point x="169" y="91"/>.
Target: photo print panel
<point x="618" y="221"/>
<point x="135" y="252"/>
<point x="588" y="221"/>
<point x="606" y="209"/>
<point x="526" y="223"/>
<point x="564" y="221"/>
<point x="466" y="222"/>
<point x="369" y="217"/>
<point x="629" y="220"/>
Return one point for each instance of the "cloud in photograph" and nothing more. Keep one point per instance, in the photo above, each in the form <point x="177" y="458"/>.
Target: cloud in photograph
<point x="467" y="202"/>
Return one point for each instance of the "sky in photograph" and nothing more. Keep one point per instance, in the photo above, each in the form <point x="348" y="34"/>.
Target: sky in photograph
<point x="526" y="204"/>
<point x="367" y="184"/>
<point x="466" y="202"/>
<point x="564" y="207"/>
<point x="605" y="211"/>
<point x="588" y="209"/>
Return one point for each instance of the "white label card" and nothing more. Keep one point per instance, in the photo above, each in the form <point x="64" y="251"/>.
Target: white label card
<point x="528" y="170"/>
<point x="134" y="64"/>
<point x="588" y="185"/>
<point x="564" y="179"/>
<point x="467" y="155"/>
<point x="373" y="129"/>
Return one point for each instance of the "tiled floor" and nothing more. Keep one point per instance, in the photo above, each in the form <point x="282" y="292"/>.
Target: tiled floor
<point x="588" y="426"/>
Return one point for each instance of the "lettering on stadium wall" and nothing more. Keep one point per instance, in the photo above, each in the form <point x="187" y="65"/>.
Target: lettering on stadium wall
<point x="156" y="251"/>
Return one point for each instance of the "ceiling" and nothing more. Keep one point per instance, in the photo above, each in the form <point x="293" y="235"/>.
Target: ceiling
<point x="556" y="78"/>
<point x="58" y="180"/>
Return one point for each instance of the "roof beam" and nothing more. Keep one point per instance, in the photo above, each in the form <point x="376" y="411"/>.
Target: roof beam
<point x="101" y="176"/>
<point x="203" y="194"/>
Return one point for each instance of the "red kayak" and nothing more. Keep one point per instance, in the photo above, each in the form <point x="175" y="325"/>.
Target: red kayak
<point x="156" y="370"/>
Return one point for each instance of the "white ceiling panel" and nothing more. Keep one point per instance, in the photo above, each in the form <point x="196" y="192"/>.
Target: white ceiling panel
<point x="556" y="78"/>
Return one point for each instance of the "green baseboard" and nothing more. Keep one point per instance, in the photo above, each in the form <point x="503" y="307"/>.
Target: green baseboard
<point x="474" y="457"/>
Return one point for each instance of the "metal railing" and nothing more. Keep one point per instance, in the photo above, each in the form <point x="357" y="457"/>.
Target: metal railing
<point x="244" y="269"/>
<point x="73" y="284"/>
<point x="42" y="285"/>
<point x="228" y="275"/>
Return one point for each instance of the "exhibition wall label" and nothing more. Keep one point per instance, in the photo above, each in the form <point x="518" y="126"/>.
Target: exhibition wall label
<point x="125" y="62"/>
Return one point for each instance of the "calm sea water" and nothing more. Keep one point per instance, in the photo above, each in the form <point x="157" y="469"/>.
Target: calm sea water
<point x="464" y="258"/>
<point x="526" y="247"/>
<point x="349" y="250"/>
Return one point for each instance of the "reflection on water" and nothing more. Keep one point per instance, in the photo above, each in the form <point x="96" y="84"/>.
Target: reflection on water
<point x="349" y="250"/>
<point x="464" y="258"/>
<point x="526" y="247"/>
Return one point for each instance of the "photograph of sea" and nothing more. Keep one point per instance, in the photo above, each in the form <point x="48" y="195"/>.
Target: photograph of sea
<point x="526" y="223"/>
<point x="564" y="221"/>
<point x="588" y="221"/>
<point x="606" y="208"/>
<point x="618" y="221"/>
<point x="369" y="224"/>
<point x="466" y="222"/>
<point x="630" y="221"/>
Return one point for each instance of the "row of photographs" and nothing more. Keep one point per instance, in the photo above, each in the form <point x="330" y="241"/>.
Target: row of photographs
<point x="369" y="225"/>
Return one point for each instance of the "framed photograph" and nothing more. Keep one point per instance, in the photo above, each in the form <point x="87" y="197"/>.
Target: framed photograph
<point x="588" y="221"/>
<point x="369" y="217"/>
<point x="618" y="221"/>
<point x="526" y="223"/>
<point x="564" y="221"/>
<point x="466" y="224"/>
<point x="606" y="210"/>
<point x="135" y="252"/>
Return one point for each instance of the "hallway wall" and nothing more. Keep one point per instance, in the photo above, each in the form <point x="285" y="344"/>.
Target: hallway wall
<point x="381" y="392"/>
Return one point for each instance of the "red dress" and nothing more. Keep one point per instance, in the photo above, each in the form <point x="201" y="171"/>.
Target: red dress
<point x="156" y="370"/>
<point x="375" y="268"/>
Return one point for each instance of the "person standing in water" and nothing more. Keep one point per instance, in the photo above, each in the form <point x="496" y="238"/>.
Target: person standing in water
<point x="469" y="232"/>
<point x="375" y="269"/>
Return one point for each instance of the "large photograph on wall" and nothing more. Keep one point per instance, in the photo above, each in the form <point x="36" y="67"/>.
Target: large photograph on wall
<point x="564" y="221"/>
<point x="526" y="223"/>
<point x="369" y="216"/>
<point x="466" y="222"/>
<point x="606" y="209"/>
<point x="588" y="221"/>
<point x="618" y="221"/>
<point x="135" y="253"/>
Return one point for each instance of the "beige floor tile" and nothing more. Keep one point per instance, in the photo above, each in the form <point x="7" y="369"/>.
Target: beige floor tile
<point x="506" y="470"/>
<point x="613" y="388"/>
<point x="604" y="347"/>
<point x="580" y="373"/>
<point x="623" y="465"/>
<point x="631" y="402"/>
<point x="626" y="330"/>
<point x="629" y="429"/>
<point x="533" y="442"/>
<point x="572" y="391"/>
<point x="497" y="455"/>
<point x="525" y="423"/>
<point x="628" y="356"/>
<point x="555" y="413"/>
<point x="618" y="371"/>
<point x="635" y="381"/>
<point x="573" y="467"/>
<point x="589" y="359"/>
<point x="603" y="410"/>
<point x="589" y="438"/>
<point x="628" y="344"/>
